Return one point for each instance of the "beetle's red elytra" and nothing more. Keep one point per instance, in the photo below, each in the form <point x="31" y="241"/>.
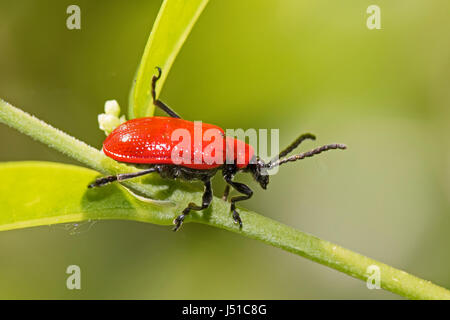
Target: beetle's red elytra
<point x="155" y="142"/>
<point x="160" y="140"/>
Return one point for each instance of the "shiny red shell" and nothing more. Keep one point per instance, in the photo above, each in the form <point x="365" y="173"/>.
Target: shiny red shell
<point x="164" y="140"/>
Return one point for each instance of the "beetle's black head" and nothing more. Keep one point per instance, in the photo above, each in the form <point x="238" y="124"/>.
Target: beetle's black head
<point x="258" y="169"/>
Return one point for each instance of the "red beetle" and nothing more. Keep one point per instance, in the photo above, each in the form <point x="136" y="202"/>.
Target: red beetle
<point x="155" y="141"/>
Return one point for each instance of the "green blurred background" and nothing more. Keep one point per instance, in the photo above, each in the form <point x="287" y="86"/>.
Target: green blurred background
<point x="294" y="65"/>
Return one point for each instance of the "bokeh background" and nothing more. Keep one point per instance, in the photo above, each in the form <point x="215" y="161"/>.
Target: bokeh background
<point x="298" y="66"/>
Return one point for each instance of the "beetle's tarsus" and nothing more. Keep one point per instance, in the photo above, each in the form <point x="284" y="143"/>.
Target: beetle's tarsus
<point x="237" y="218"/>
<point x="178" y="221"/>
<point x="159" y="73"/>
<point x="102" y="181"/>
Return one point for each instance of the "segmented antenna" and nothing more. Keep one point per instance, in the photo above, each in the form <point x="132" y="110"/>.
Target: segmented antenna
<point x="294" y="145"/>
<point x="307" y="154"/>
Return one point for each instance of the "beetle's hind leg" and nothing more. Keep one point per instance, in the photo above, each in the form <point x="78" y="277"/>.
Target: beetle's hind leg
<point x="206" y="201"/>
<point x="119" y="177"/>
<point x="159" y="103"/>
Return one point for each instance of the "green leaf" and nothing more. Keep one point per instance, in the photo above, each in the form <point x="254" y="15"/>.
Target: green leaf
<point x="171" y="28"/>
<point x="38" y="193"/>
<point x="44" y="193"/>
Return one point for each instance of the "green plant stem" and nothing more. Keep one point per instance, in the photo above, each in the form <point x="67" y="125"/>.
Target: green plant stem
<point x="255" y="226"/>
<point x="329" y="254"/>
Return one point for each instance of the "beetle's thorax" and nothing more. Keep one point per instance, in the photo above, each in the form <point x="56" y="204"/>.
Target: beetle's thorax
<point x="256" y="167"/>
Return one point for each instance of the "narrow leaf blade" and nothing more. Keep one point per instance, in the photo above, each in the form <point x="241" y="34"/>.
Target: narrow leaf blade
<point x="45" y="193"/>
<point x="172" y="26"/>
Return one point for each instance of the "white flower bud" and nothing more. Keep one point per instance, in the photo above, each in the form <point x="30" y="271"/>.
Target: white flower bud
<point x="112" y="108"/>
<point x="108" y="122"/>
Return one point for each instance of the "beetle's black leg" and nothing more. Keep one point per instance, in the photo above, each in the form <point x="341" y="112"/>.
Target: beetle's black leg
<point x="159" y="103"/>
<point x="206" y="201"/>
<point x="120" y="177"/>
<point x="226" y="192"/>
<point x="242" y="188"/>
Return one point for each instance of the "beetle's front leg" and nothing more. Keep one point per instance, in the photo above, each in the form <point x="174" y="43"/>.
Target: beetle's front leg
<point x="247" y="194"/>
<point x="206" y="201"/>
